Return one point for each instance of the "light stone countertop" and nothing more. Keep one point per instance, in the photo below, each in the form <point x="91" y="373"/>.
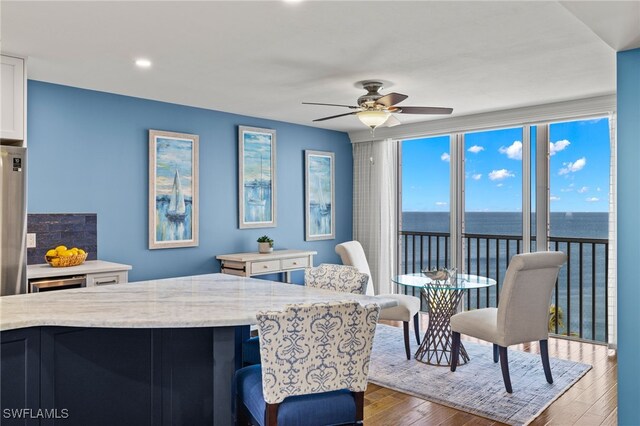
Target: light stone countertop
<point x="44" y="270"/>
<point x="210" y="300"/>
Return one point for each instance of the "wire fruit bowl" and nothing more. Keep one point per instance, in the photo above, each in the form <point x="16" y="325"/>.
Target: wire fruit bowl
<point x="66" y="261"/>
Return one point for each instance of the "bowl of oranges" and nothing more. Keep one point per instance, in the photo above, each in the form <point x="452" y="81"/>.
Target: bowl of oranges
<point x="62" y="256"/>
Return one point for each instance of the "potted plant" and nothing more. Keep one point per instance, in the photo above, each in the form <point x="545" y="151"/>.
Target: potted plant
<point x="265" y="244"/>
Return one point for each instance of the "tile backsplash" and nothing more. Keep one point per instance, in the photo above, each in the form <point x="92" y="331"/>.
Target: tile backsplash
<point x="69" y="229"/>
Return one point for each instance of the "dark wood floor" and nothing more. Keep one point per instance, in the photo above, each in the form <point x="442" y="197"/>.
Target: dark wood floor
<point x="591" y="401"/>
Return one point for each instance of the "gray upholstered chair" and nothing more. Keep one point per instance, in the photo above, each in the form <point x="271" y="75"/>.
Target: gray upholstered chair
<point x="522" y="314"/>
<point x="315" y="362"/>
<point x="408" y="307"/>
<point x="346" y="279"/>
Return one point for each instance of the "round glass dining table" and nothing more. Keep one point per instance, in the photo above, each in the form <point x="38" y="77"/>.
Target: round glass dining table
<point x="442" y="297"/>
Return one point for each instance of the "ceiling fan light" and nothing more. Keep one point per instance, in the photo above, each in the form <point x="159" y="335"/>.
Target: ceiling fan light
<point x="373" y="119"/>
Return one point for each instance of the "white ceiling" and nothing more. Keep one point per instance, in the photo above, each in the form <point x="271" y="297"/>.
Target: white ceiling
<point x="264" y="58"/>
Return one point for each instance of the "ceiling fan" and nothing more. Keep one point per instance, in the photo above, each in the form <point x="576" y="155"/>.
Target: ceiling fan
<point x="376" y="110"/>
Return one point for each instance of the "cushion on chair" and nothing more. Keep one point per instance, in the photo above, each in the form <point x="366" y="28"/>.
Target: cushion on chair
<point x="327" y="408"/>
<point x="251" y="351"/>
<point x="342" y="278"/>
<point x="480" y="323"/>
<point x="407" y="307"/>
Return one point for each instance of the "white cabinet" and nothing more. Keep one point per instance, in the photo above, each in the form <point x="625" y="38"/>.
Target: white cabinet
<point x="12" y="92"/>
<point x="107" y="278"/>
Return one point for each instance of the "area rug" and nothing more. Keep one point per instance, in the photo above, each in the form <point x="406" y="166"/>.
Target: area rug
<point x="477" y="386"/>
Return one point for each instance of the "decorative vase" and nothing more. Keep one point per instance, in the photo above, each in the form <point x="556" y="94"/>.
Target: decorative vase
<point x="264" y="248"/>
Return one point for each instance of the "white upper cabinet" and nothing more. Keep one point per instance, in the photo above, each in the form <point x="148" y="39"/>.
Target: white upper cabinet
<point x="12" y="87"/>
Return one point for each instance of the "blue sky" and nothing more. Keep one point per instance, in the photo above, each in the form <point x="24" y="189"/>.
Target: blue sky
<point x="579" y="169"/>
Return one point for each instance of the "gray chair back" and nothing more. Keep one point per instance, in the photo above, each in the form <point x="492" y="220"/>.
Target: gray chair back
<point x="523" y="310"/>
<point x="352" y="254"/>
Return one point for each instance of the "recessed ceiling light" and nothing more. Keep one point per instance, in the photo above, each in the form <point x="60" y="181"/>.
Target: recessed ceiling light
<point x="143" y="63"/>
<point x="292" y="1"/>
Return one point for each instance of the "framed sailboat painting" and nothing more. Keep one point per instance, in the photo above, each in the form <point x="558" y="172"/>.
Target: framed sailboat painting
<point x="256" y="177"/>
<point x="173" y="190"/>
<point x="319" y="199"/>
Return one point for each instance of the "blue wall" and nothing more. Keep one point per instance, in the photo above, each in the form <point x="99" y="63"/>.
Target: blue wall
<point x="628" y="237"/>
<point x="88" y="152"/>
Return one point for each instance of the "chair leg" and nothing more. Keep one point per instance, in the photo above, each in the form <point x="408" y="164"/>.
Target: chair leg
<point x="495" y="353"/>
<point x="544" y="353"/>
<point x="359" y="399"/>
<point x="271" y="415"/>
<point x="242" y="418"/>
<point x="455" y="350"/>
<point x="416" y="326"/>
<point x="504" y="363"/>
<point x="407" y="348"/>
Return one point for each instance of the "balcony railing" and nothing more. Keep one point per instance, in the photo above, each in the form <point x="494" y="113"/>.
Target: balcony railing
<point x="581" y="292"/>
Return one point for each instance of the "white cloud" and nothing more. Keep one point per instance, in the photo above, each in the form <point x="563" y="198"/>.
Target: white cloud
<point x="573" y="167"/>
<point x="500" y="185"/>
<point x="476" y="176"/>
<point x="569" y="189"/>
<point x="555" y="147"/>
<point x="500" y="174"/>
<point x="583" y="190"/>
<point x="592" y="199"/>
<point x="554" y="198"/>
<point x="441" y="203"/>
<point x="476" y="149"/>
<point x="445" y="156"/>
<point x="513" y="151"/>
<point x="598" y="189"/>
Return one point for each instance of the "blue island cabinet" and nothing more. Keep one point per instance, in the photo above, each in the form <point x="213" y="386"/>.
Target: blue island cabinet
<point x="119" y="376"/>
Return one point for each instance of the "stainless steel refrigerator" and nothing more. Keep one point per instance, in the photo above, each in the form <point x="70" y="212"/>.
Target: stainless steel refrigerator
<point x="13" y="220"/>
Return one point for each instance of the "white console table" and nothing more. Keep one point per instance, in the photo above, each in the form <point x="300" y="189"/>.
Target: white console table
<point x="278" y="261"/>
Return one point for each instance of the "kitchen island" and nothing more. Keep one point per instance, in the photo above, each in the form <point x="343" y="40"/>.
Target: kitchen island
<point x="152" y="352"/>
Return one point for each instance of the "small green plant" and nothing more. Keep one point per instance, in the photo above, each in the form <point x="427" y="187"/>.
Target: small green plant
<point x="556" y="316"/>
<point x="266" y="239"/>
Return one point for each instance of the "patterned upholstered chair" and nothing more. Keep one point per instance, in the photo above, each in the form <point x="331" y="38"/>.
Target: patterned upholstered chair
<point x="346" y="279"/>
<point x="522" y="314"/>
<point x="408" y="307"/>
<point x="315" y="362"/>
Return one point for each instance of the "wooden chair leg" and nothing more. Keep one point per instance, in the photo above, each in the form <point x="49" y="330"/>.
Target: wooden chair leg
<point x="504" y="363"/>
<point x="495" y="353"/>
<point x="544" y="354"/>
<point x="407" y="347"/>
<point x="416" y="326"/>
<point x="359" y="399"/>
<point x="455" y="350"/>
<point x="271" y="415"/>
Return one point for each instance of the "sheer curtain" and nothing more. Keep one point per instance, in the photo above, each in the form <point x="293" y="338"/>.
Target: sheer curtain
<point x="375" y="196"/>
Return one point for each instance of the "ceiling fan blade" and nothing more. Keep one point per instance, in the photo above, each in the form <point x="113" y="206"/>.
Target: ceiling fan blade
<point x="392" y="121"/>
<point x="339" y="105"/>
<point x="335" y="116"/>
<point x="424" y="110"/>
<point x="391" y="99"/>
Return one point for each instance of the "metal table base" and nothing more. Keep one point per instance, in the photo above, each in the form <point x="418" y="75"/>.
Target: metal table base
<point x="435" y="348"/>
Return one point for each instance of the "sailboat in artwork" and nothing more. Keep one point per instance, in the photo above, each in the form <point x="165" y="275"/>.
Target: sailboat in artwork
<point x="323" y="208"/>
<point x="256" y="197"/>
<point x="177" y="210"/>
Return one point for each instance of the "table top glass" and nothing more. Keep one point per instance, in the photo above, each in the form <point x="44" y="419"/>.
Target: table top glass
<point x="457" y="282"/>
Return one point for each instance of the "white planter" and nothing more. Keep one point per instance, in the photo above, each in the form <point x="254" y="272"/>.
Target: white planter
<point x="264" y="248"/>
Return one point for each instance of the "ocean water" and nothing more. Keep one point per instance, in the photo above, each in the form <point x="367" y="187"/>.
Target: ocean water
<point x="562" y="224"/>
<point x="583" y="279"/>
